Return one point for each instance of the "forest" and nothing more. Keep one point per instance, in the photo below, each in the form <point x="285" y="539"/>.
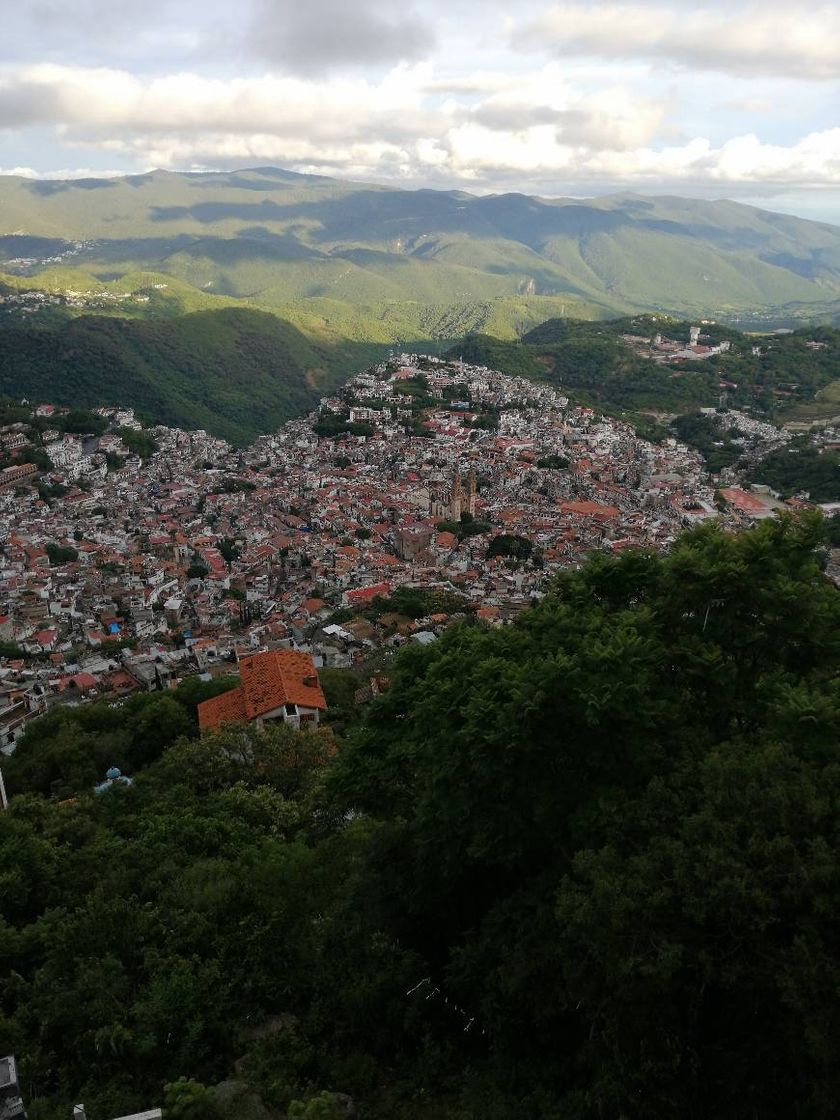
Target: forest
<point x="586" y="865"/>
<point x="801" y="468"/>
<point x="234" y="372"/>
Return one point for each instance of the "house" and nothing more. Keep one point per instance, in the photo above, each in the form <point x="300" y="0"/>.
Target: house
<point x="45" y="639"/>
<point x="364" y="596"/>
<point x="278" y="686"/>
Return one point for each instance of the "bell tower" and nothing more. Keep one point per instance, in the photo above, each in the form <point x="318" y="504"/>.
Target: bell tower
<point x="455" y="503"/>
<point x="471" y="490"/>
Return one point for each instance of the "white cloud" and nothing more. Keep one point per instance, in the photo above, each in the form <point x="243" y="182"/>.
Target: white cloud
<point x="746" y="39"/>
<point x="533" y="130"/>
<point x="749" y="105"/>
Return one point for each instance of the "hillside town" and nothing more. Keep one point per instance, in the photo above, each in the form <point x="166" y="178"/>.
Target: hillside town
<point x="423" y="493"/>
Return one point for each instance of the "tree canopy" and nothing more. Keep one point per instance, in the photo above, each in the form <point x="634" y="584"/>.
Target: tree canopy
<point x="585" y="865"/>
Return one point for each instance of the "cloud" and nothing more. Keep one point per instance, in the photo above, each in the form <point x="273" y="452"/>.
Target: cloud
<point x="322" y="35"/>
<point x="770" y="39"/>
<point x="534" y="131"/>
<point x="90" y="29"/>
<point x="749" y="105"/>
<point x="94" y="103"/>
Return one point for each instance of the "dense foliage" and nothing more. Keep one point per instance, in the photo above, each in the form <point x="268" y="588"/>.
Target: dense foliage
<point x="717" y="447"/>
<point x="801" y="468"/>
<point x="333" y="424"/>
<point x="233" y="372"/>
<point x="583" y="866"/>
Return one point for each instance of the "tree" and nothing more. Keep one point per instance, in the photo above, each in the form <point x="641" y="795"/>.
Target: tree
<point x="188" y="1099"/>
<point x="584" y="865"/>
<point x="576" y="803"/>
<point x="229" y="549"/>
<point x="512" y="545"/>
<point x="61" y="554"/>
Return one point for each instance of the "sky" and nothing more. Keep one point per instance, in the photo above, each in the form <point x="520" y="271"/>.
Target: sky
<point x="722" y="100"/>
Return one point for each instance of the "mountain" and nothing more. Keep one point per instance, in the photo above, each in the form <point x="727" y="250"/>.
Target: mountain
<point x="158" y="285"/>
<point x="233" y="372"/>
<point x="375" y="263"/>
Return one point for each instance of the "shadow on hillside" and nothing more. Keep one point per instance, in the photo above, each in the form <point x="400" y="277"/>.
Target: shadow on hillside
<point x="47" y="187"/>
<point x="400" y="215"/>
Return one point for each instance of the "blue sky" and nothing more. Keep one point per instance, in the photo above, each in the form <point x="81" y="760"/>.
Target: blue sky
<point x="736" y="100"/>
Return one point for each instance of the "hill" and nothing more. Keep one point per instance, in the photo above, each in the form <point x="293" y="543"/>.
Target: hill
<point x="378" y="263"/>
<point x="235" y="372"/>
<point x="778" y="376"/>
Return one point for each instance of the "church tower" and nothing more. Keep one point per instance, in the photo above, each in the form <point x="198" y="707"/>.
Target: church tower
<point x="471" y="489"/>
<point x="455" y="503"/>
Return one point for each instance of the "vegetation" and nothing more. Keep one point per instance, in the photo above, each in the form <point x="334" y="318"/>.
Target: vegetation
<point x="512" y="545"/>
<point x="417" y="602"/>
<point x="352" y="257"/>
<point x="594" y="367"/>
<point x="584" y="865"/>
<point x="138" y="443"/>
<point x="61" y="553"/>
<point x="717" y="446"/>
<point x="467" y="526"/>
<point x="333" y="424"/>
<point x="801" y="468"/>
<point x="233" y="372"/>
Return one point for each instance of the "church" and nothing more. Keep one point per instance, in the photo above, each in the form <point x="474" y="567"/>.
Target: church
<point x="447" y="501"/>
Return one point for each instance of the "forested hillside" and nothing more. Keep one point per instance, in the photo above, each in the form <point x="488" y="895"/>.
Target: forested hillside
<point x="375" y="263"/>
<point x="234" y="372"/>
<point x="775" y="375"/>
<point x="583" y="866"/>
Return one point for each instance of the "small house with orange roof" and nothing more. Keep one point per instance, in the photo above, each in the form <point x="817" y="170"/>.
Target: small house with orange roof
<point x="278" y="686"/>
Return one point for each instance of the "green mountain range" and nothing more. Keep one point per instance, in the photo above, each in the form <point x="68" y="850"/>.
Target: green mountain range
<point x="375" y="263"/>
<point x="232" y="300"/>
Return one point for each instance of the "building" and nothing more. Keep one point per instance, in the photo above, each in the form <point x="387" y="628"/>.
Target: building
<point x="11" y="475"/>
<point x="11" y="1105"/>
<point x="278" y="686"/>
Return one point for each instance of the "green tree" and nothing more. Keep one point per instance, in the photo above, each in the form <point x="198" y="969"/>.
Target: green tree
<point x="188" y="1099"/>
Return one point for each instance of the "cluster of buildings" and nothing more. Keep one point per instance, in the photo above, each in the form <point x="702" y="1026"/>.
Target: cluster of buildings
<point x="28" y="301"/>
<point x="202" y="556"/>
<point x="663" y="350"/>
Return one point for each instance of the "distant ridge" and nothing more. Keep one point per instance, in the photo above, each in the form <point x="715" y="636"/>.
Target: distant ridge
<point x="363" y="260"/>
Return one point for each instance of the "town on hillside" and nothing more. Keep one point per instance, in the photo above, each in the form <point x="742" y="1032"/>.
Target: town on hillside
<point x="424" y="493"/>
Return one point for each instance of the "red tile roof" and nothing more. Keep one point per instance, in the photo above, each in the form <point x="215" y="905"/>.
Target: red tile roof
<point x="367" y="594"/>
<point x="590" y="509"/>
<point x="227" y="708"/>
<point x="269" y="680"/>
<point x="743" y="501"/>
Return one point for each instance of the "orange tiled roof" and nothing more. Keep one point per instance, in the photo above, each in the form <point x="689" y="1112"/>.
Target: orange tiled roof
<point x="269" y="680"/>
<point x="282" y="676"/>
<point x="743" y="500"/>
<point x="586" y="509"/>
<point x="229" y="707"/>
